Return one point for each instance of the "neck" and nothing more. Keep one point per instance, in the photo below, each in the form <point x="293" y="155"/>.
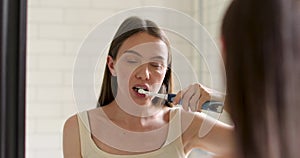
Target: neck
<point x="132" y="108"/>
<point x="137" y="120"/>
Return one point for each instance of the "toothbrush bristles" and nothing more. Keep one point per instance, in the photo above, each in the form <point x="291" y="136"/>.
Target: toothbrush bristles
<point x="141" y="91"/>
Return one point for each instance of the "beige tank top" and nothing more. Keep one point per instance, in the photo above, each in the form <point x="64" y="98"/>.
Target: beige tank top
<point x="172" y="148"/>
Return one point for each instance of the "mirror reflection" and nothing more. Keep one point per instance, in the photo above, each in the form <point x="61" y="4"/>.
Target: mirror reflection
<point x="57" y="33"/>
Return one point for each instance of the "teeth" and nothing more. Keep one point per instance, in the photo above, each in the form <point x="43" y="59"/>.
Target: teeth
<point x="140" y="90"/>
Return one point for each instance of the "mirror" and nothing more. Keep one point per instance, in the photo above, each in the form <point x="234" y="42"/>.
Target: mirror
<point x="57" y="31"/>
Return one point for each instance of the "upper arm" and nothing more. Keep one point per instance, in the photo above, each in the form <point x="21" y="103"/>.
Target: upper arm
<point x="209" y="134"/>
<point x="71" y="138"/>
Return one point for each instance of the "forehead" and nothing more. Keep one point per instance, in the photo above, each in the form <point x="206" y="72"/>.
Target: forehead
<point x="144" y="44"/>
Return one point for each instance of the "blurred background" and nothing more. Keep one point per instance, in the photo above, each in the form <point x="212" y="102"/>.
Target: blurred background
<point x="56" y="29"/>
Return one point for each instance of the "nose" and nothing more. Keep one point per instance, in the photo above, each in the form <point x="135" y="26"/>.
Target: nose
<point x="143" y="72"/>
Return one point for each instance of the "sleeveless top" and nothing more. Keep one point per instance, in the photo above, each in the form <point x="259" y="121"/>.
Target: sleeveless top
<point x="172" y="147"/>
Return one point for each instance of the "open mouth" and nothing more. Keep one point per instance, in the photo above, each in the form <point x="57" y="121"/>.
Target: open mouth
<point x="137" y="89"/>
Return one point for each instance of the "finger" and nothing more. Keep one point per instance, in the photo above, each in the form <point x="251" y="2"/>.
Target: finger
<point x="199" y="105"/>
<point x="179" y="95"/>
<point x="202" y="100"/>
<point x="194" y="101"/>
<point x="197" y="109"/>
<point x="186" y="99"/>
<point x="177" y="98"/>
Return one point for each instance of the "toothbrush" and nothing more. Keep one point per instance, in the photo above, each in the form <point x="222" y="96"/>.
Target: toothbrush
<point x="214" y="106"/>
<point x="168" y="97"/>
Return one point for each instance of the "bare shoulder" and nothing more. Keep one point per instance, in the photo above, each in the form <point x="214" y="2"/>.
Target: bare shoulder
<point x="71" y="123"/>
<point x="71" y="127"/>
<point x="71" y="138"/>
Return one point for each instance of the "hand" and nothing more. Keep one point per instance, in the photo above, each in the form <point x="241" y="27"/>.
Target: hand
<point x="194" y="96"/>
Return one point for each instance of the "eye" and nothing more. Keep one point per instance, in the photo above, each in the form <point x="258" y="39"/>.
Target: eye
<point x="156" y="65"/>
<point x="132" y="60"/>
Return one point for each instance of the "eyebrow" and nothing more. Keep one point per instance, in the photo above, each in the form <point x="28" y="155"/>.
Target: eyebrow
<point x="138" y="54"/>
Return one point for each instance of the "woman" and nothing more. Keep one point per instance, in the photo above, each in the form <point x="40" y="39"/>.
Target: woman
<point x="130" y="124"/>
<point x="261" y="49"/>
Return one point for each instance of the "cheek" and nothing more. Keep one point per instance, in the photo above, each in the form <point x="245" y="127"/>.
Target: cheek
<point x="124" y="71"/>
<point x="123" y="75"/>
<point x="158" y="77"/>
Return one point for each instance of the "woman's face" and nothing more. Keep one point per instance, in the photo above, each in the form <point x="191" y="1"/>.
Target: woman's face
<point x="141" y="63"/>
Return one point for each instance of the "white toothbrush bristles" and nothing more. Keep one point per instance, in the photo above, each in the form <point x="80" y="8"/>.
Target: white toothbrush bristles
<point x="141" y="91"/>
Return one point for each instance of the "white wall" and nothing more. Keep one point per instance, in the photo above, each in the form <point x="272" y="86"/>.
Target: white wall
<point x="55" y="30"/>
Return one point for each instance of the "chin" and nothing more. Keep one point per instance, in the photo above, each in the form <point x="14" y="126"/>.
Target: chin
<point x="142" y="102"/>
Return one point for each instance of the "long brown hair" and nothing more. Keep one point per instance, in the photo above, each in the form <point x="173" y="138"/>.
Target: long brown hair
<point x="128" y="28"/>
<point x="261" y="41"/>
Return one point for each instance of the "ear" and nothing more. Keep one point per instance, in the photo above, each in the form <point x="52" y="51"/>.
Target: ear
<point x="110" y="64"/>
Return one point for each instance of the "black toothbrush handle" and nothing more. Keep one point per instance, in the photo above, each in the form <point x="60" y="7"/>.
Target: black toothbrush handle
<point x="214" y="106"/>
<point x="171" y="97"/>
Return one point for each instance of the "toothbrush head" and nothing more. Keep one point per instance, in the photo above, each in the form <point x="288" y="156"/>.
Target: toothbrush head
<point x="142" y="91"/>
<point x="145" y="92"/>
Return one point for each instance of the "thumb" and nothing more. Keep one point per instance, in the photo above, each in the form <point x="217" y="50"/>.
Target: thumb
<point x="177" y="98"/>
